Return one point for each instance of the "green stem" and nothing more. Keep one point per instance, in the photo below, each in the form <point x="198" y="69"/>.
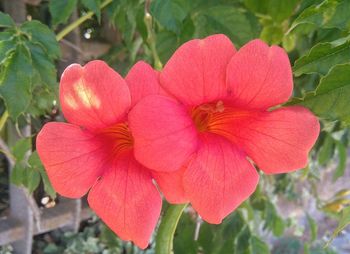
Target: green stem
<point x="167" y="227"/>
<point x="79" y="21"/>
<point x="151" y="37"/>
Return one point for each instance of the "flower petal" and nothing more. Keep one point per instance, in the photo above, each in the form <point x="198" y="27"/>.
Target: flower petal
<point x="259" y="76"/>
<point x="93" y="96"/>
<point x="218" y="179"/>
<point x="279" y="141"/>
<point x="171" y="185"/>
<point x="142" y="81"/>
<point x="127" y="200"/>
<point x="72" y="157"/>
<point x="164" y="134"/>
<point x="196" y="73"/>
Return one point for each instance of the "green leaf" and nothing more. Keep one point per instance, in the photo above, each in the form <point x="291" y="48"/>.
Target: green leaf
<point x="166" y="45"/>
<point x="94" y="6"/>
<point x="343" y="222"/>
<point x="272" y="34"/>
<point x="61" y="10"/>
<point x="272" y="220"/>
<point x="170" y="13"/>
<point x="288" y="245"/>
<point x="278" y="226"/>
<point x="6" y="20"/>
<point x="232" y="21"/>
<point x="313" y="227"/>
<point x="258" y="246"/>
<point x="47" y="185"/>
<point x="17" y="175"/>
<point x="215" y="239"/>
<point x="243" y="241"/>
<point x="6" y="48"/>
<point x="32" y="179"/>
<point x="20" y="148"/>
<point x="323" y="56"/>
<point x="45" y="68"/>
<point x="16" y="81"/>
<point x="331" y="98"/>
<point x="183" y="241"/>
<point x="281" y="10"/>
<point x="326" y="150"/>
<point x="278" y="10"/>
<point x="109" y="238"/>
<point x="306" y="248"/>
<point x="233" y="225"/>
<point x="342" y="157"/>
<point x="124" y="16"/>
<point x="35" y="163"/>
<point x="42" y="35"/>
<point x="328" y="14"/>
<point x="206" y="238"/>
<point x="289" y="42"/>
<point x="257" y="6"/>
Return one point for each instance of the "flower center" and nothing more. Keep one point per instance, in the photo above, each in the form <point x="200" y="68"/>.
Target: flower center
<point x="219" y="118"/>
<point x="202" y="115"/>
<point x="118" y="138"/>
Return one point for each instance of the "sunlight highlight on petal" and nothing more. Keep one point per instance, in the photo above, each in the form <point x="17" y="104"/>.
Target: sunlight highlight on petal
<point x="86" y="95"/>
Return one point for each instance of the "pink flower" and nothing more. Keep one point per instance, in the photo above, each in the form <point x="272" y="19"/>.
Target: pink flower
<point x="220" y="112"/>
<point x="94" y="151"/>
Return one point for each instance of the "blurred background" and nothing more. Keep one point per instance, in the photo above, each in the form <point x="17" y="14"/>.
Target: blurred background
<point x="303" y="212"/>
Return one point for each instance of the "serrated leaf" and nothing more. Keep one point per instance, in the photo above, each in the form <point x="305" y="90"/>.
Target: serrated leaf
<point x="232" y="21"/>
<point x="6" y="20"/>
<point x="124" y="16"/>
<point x="331" y="98"/>
<point x="328" y="14"/>
<point x="43" y="36"/>
<point x="16" y="81"/>
<point x="342" y="158"/>
<point x="170" y="13"/>
<point x="45" y="68"/>
<point x="323" y="56"/>
<point x="258" y="246"/>
<point x="61" y="10"/>
<point x="94" y="6"/>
